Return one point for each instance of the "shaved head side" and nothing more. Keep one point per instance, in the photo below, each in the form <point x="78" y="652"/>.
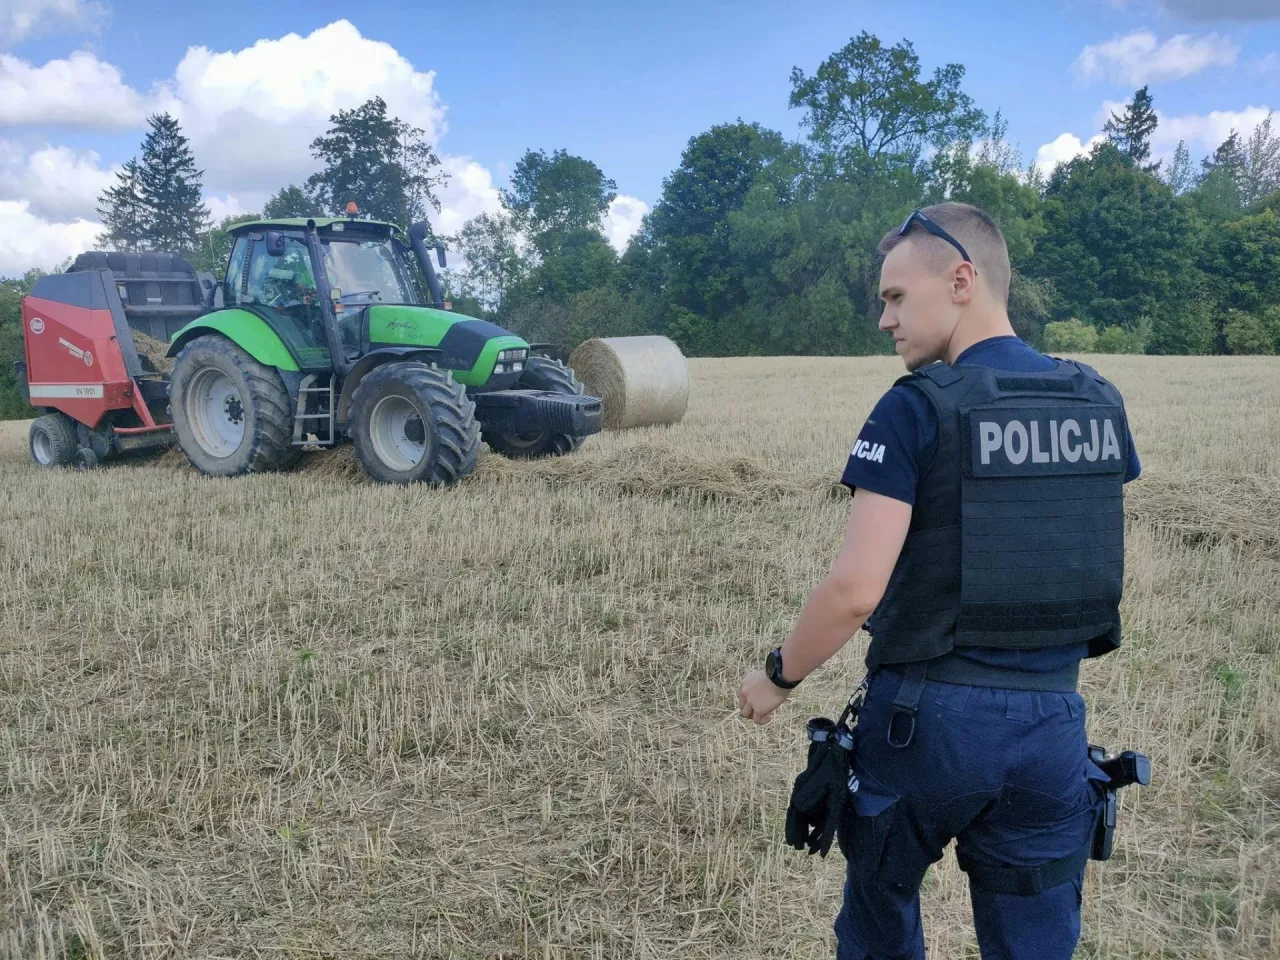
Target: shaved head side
<point x="975" y="230"/>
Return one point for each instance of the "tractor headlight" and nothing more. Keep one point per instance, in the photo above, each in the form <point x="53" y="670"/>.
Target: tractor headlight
<point x="517" y="367"/>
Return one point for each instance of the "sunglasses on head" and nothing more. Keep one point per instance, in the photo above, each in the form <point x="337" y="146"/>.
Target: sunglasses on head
<point x="937" y="231"/>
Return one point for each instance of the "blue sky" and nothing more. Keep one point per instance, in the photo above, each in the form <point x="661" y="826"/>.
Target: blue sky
<point x="625" y="85"/>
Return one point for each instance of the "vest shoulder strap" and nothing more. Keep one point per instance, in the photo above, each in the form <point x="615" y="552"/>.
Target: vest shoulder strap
<point x="940" y="373"/>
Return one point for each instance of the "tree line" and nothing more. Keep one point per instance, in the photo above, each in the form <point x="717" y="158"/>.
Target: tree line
<point x="763" y="245"/>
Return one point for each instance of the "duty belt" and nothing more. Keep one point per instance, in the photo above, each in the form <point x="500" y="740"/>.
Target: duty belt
<point x="950" y="669"/>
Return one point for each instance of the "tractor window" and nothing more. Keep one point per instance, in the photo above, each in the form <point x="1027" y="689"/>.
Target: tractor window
<point x="235" y="269"/>
<point x="282" y="282"/>
<point x="367" y="271"/>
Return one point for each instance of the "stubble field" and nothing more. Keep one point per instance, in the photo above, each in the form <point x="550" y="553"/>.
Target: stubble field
<point x="304" y="716"/>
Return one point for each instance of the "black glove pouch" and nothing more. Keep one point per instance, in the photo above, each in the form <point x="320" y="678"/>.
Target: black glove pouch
<point x="823" y="787"/>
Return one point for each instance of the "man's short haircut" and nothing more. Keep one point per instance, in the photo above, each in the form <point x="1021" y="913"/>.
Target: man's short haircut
<point x="975" y="230"/>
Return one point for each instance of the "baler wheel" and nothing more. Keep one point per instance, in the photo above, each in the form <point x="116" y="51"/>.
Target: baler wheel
<point x="52" y="440"/>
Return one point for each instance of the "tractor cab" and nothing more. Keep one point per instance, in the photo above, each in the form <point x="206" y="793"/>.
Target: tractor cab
<point x="277" y="269"/>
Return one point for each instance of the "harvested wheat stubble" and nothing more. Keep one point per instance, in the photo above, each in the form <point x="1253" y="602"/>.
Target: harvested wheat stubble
<point x="643" y="381"/>
<point x="154" y="350"/>
<point x="1243" y="511"/>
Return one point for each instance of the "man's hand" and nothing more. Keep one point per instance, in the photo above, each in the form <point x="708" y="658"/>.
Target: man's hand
<point x="759" y="696"/>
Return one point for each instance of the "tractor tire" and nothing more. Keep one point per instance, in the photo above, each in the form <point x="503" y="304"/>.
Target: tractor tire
<point x="540" y="373"/>
<point x="52" y="440"/>
<point x="231" y="414"/>
<point x="412" y="423"/>
<point x="86" y="459"/>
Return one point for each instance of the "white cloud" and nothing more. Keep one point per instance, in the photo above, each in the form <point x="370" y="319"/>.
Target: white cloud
<point x="27" y="240"/>
<point x="55" y="183"/>
<point x="1204" y="132"/>
<point x="469" y="193"/>
<point x="1065" y="147"/>
<point x="251" y="114"/>
<point x="225" y="206"/>
<point x="80" y="91"/>
<point x="1139" y="58"/>
<point x="1267" y="65"/>
<point x="623" y="220"/>
<point x="20" y="19"/>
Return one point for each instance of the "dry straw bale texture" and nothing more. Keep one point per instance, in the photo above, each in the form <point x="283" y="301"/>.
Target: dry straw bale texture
<point x="154" y="350"/>
<point x="300" y="716"/>
<point x="644" y="381"/>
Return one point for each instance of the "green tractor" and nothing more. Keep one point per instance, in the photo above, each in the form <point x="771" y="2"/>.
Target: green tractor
<point x="321" y="330"/>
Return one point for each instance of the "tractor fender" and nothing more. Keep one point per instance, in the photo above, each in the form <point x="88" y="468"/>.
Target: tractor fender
<point x="247" y="330"/>
<point x="371" y="361"/>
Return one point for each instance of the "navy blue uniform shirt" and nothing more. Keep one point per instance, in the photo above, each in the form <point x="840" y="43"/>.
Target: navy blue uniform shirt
<point x="897" y="445"/>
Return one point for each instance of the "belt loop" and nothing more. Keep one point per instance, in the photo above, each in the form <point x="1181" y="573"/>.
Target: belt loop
<point x="905" y="704"/>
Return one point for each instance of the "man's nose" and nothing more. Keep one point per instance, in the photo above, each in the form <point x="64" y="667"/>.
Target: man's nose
<point x="887" y="320"/>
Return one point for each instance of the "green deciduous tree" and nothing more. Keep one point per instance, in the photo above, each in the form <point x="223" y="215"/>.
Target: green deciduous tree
<point x="1260" y="173"/>
<point x="1117" y="245"/>
<point x="381" y="162"/>
<point x="1245" y="334"/>
<point x="868" y="101"/>
<point x="1070" y="336"/>
<point x="490" y="246"/>
<point x="12" y="290"/>
<point x="554" y="196"/>
<point x="1180" y="176"/>
<point x="1219" y="195"/>
<point x="290" y="201"/>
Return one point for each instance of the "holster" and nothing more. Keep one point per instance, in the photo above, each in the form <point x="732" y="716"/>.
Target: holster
<point x="1129" y="767"/>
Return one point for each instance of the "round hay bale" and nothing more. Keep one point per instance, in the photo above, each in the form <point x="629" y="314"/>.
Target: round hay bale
<point x="643" y="381"/>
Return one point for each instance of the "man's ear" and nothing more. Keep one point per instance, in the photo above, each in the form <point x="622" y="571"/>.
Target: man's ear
<point x="964" y="284"/>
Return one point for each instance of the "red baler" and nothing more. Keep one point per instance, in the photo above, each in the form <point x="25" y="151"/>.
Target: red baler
<point x="101" y="397"/>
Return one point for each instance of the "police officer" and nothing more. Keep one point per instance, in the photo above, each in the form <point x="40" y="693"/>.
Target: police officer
<point x="984" y="553"/>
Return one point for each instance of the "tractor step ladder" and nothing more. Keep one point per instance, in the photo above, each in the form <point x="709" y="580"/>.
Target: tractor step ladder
<point x="322" y="418"/>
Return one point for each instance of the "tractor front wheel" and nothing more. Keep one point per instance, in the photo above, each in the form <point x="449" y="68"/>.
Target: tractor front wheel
<point x="52" y="440"/>
<point x="540" y="373"/>
<point x="411" y="423"/>
<point x="231" y="413"/>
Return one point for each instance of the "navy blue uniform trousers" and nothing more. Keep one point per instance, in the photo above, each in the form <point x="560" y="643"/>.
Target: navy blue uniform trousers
<point x="1003" y="772"/>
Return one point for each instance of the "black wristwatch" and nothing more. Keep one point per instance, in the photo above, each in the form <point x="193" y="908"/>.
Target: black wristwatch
<point x="773" y="670"/>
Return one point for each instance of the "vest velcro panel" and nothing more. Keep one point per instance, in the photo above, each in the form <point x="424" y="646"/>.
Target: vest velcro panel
<point x="1042" y="520"/>
<point x="1017" y="535"/>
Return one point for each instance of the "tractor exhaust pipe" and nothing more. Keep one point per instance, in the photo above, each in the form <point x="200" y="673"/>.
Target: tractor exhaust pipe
<point x="332" y="335"/>
<point x="418" y="240"/>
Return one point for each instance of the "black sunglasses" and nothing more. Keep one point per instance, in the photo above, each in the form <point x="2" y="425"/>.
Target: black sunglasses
<point x="937" y="231"/>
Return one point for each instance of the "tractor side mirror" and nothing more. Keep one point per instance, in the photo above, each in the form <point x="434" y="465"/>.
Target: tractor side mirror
<point x="275" y="243"/>
<point x="440" y="254"/>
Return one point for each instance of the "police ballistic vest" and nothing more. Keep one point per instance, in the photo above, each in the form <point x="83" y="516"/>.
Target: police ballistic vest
<point x="1017" y="534"/>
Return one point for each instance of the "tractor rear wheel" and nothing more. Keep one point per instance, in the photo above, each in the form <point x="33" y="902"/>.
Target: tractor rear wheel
<point x="231" y="414"/>
<point x="52" y="440"/>
<point x="412" y="423"/>
<point x="540" y="373"/>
